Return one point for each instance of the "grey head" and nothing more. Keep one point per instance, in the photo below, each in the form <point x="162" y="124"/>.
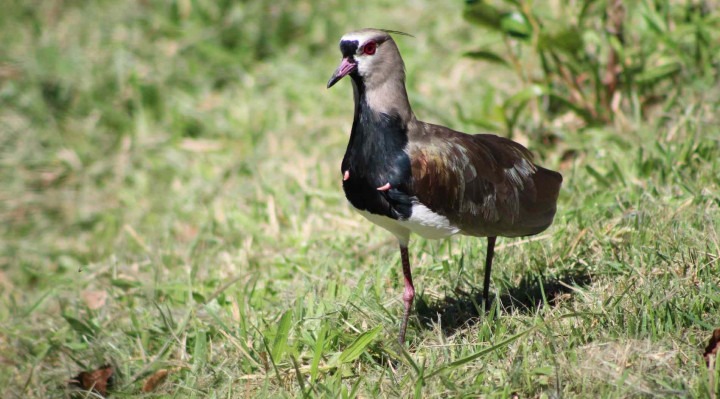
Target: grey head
<point x="370" y="56"/>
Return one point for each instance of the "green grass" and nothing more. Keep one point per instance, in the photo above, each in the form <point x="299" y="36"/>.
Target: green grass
<point x="181" y="159"/>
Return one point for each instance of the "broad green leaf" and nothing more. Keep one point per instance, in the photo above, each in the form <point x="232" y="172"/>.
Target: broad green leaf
<point x="566" y="40"/>
<point x="281" y="336"/>
<point x="515" y="24"/>
<point x="487" y="55"/>
<point x="481" y="13"/>
<point x="356" y="349"/>
<point x="198" y="297"/>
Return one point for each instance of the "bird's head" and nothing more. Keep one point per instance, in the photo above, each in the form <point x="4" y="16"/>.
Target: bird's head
<point x="369" y="55"/>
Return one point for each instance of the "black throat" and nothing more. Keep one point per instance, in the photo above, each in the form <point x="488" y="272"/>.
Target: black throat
<point x="376" y="156"/>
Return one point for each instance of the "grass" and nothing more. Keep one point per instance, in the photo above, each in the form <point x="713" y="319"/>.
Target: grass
<point x="171" y="200"/>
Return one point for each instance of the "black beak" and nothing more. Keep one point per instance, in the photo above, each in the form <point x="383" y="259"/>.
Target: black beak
<point x="346" y="66"/>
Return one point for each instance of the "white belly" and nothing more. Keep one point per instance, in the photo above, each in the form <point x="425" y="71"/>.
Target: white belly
<point x="422" y="222"/>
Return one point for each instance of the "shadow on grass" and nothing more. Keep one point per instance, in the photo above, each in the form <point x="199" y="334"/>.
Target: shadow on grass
<point x="462" y="309"/>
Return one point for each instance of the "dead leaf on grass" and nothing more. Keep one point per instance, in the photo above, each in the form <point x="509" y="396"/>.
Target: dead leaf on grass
<point x="713" y="346"/>
<point x="154" y="380"/>
<point x="94" y="299"/>
<point x="98" y="380"/>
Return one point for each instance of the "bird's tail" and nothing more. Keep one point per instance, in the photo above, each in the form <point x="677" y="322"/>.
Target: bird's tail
<point x="537" y="213"/>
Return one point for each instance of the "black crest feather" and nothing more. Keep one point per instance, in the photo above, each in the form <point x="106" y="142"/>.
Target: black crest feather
<point x="396" y="32"/>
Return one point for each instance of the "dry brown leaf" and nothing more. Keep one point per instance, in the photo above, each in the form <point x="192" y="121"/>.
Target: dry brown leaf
<point x="94" y="299"/>
<point x="98" y="380"/>
<point x="713" y="346"/>
<point x="154" y="380"/>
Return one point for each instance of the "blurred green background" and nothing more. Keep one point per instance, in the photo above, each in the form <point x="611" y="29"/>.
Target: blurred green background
<point x="170" y="200"/>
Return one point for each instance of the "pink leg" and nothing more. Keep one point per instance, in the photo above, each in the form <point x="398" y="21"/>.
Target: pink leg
<point x="409" y="293"/>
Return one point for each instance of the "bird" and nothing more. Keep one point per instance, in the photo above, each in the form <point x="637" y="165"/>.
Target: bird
<point x="409" y="176"/>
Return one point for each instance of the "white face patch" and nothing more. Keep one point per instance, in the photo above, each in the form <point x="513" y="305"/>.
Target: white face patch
<point x="364" y="62"/>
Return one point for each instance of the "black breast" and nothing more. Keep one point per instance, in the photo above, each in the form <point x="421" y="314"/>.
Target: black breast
<point x="376" y="156"/>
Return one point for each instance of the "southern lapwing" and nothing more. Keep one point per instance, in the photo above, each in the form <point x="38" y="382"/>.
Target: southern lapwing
<point x="407" y="176"/>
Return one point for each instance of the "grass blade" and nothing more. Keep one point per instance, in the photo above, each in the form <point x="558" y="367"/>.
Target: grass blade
<point x="318" y="351"/>
<point x="597" y="175"/>
<point x="356" y="349"/>
<point x="80" y="327"/>
<point x="200" y="351"/>
<point x="281" y="336"/>
<point x="478" y="354"/>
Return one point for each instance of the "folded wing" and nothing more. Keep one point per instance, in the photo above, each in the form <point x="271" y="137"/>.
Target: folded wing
<point x="484" y="184"/>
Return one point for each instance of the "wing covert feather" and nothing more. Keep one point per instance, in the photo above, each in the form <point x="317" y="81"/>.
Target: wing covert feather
<point x="485" y="184"/>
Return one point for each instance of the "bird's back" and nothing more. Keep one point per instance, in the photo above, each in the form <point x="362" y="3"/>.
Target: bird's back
<point x="484" y="184"/>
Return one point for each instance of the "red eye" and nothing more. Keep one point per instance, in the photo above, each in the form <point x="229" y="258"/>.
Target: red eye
<point x="370" y="48"/>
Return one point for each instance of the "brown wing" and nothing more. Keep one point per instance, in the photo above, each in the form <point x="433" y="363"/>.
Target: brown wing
<point x="484" y="184"/>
